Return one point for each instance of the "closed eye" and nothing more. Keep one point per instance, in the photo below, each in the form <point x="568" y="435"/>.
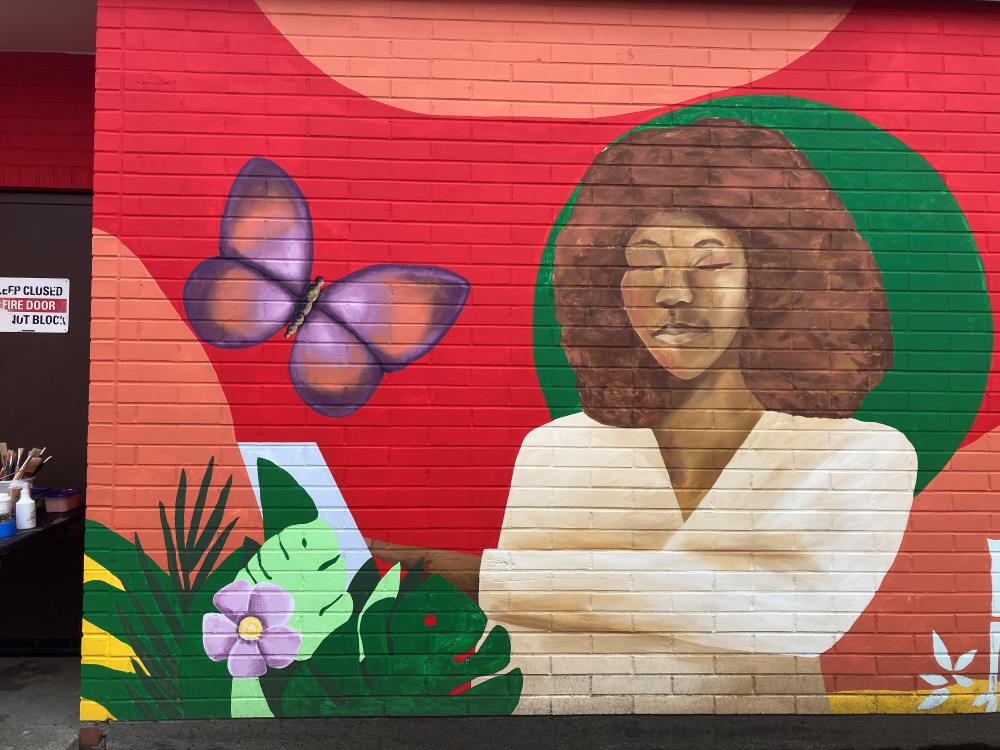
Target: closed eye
<point x="713" y="266"/>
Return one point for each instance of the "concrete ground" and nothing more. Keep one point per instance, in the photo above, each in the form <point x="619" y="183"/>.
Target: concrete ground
<point x="40" y="703"/>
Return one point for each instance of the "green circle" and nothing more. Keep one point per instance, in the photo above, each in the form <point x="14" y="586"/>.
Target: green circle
<point x="935" y="286"/>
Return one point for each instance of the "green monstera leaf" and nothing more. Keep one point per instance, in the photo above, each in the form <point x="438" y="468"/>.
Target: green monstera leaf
<point x="302" y="555"/>
<point x="305" y="560"/>
<point x="404" y="652"/>
<point x="420" y="652"/>
<point x="374" y="645"/>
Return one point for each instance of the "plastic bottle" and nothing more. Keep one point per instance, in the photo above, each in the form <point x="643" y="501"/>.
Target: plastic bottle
<point x="24" y="510"/>
<point x="8" y="525"/>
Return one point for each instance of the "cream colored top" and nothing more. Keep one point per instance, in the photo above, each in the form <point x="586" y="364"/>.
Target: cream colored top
<point x="780" y="556"/>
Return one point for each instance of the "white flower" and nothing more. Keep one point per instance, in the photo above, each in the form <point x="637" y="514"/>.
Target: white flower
<point x="940" y="682"/>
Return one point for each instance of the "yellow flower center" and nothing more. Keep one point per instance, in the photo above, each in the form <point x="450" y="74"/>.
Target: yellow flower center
<point x="250" y="628"/>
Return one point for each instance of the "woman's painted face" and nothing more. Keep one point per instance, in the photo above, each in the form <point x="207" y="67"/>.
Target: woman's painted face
<point x="685" y="290"/>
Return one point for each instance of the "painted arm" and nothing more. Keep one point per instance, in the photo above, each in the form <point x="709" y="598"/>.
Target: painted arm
<point x="785" y="569"/>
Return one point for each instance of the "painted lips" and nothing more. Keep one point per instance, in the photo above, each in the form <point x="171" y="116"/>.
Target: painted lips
<point x="677" y="333"/>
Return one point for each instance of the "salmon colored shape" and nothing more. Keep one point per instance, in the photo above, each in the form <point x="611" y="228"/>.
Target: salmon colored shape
<point x="531" y="59"/>
<point x="940" y="581"/>
<point x="156" y="407"/>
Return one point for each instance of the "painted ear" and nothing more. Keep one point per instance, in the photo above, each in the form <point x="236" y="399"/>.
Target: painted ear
<point x="399" y="311"/>
<point x="266" y="224"/>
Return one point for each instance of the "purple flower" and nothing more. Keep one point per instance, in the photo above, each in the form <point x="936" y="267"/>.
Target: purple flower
<point x="251" y="631"/>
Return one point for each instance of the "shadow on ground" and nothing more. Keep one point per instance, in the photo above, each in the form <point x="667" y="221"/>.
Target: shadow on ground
<point x="40" y="703"/>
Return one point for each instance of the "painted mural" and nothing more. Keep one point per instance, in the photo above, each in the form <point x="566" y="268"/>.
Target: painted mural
<point x="720" y="347"/>
<point x="376" y="320"/>
<point x="280" y="628"/>
<point x="544" y="374"/>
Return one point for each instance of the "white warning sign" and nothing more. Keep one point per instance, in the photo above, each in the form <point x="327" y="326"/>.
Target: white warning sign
<point x="34" y="305"/>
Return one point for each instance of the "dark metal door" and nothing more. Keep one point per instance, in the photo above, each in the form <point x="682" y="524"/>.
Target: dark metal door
<point x="44" y="381"/>
<point x="44" y="376"/>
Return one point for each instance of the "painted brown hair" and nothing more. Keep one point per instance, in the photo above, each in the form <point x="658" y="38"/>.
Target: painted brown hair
<point x="818" y="334"/>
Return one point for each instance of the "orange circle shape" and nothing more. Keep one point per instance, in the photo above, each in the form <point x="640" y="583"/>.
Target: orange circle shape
<point x="561" y="59"/>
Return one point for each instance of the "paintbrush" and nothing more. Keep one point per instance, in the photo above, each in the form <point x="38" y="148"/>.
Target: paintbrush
<point x="20" y="471"/>
<point x="22" y="467"/>
<point x="41" y="466"/>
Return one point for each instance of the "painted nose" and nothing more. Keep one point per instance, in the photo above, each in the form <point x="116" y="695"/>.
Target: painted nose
<point x="674" y="289"/>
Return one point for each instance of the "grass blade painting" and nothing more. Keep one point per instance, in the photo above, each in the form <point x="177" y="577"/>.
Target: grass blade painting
<point x="278" y="629"/>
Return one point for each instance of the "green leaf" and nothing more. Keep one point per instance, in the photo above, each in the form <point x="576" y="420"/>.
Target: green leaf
<point x="163" y="595"/>
<point x="114" y="552"/>
<point x="497" y="696"/>
<point x="225" y="573"/>
<point x="157" y="649"/>
<point x="283" y="502"/>
<point x="191" y="554"/>
<point x="201" y="541"/>
<point x="160" y="616"/>
<point x="112" y="610"/>
<point x="492" y="655"/>
<point x="135" y="615"/>
<point x="305" y="560"/>
<point x="164" y="691"/>
<point x="124" y="694"/>
<point x="199" y="503"/>
<point x="213" y="554"/>
<point x="214" y="520"/>
<point x="364" y="582"/>
<point x="411" y="647"/>
<point x="179" y="502"/>
<point x="387" y="588"/>
<point x="172" y="557"/>
<point x="419" y="654"/>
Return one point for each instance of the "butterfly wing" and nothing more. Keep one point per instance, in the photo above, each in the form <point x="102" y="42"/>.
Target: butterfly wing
<point x="266" y="224"/>
<point x="232" y="306"/>
<point x="399" y="311"/>
<point x="331" y="368"/>
<point x="249" y="292"/>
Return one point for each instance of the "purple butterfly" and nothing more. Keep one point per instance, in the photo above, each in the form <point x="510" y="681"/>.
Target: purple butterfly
<point x="347" y="333"/>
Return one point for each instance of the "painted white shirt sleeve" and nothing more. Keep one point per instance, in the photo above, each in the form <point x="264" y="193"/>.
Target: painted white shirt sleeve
<point x="781" y="556"/>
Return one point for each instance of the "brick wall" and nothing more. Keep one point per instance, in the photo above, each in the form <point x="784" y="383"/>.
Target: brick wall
<point x="46" y="123"/>
<point x="712" y="433"/>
